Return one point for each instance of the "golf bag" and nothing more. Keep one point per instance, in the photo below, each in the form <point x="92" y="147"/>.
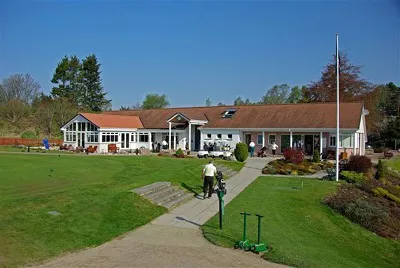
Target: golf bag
<point x="221" y="184"/>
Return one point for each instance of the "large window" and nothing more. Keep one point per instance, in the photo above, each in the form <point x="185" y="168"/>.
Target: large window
<point x="92" y="137"/>
<point x="259" y="139"/>
<point x="70" y="137"/>
<point x="143" y="137"/>
<point x="271" y="138"/>
<point x="133" y="137"/>
<point x="109" y="137"/>
<point x="346" y="141"/>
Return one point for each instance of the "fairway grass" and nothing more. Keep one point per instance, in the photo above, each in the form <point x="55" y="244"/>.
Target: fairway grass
<point x="301" y="230"/>
<point x="91" y="193"/>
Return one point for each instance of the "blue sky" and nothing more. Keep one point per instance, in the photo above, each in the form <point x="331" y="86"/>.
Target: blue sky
<point x="191" y="50"/>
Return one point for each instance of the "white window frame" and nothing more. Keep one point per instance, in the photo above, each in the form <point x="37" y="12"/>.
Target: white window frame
<point x="269" y="138"/>
<point x="219" y="136"/>
<point x="332" y="141"/>
<point x="258" y="136"/>
<point x="229" y="138"/>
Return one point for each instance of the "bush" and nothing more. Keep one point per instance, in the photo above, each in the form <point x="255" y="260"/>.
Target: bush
<point x="28" y="135"/>
<point x="366" y="214"/>
<point x="381" y="170"/>
<point x="179" y="153"/>
<point x="380" y="192"/>
<point x="379" y="150"/>
<point x="241" y="152"/>
<point x="359" y="163"/>
<point x="352" y="177"/>
<point x="293" y="155"/>
<point x="269" y="170"/>
<point x="316" y="157"/>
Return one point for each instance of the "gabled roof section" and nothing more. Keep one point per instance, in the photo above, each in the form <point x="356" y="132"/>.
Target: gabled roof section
<point x="178" y="117"/>
<point x="113" y="121"/>
<point x="302" y="115"/>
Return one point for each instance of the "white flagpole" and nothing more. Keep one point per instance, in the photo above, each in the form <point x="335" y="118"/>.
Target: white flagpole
<point x="337" y="107"/>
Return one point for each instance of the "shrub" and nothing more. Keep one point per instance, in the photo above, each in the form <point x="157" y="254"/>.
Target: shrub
<point x="269" y="170"/>
<point x="241" y="152"/>
<point x="316" y="157"/>
<point x="179" y="153"/>
<point x="28" y="135"/>
<point x="359" y="163"/>
<point x="293" y="155"/>
<point x="366" y="214"/>
<point x="380" y="192"/>
<point x="352" y="177"/>
<point x="381" y="170"/>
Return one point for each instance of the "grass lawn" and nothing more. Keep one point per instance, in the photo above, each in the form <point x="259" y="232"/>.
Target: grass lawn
<point x="394" y="163"/>
<point x="300" y="229"/>
<point x="90" y="192"/>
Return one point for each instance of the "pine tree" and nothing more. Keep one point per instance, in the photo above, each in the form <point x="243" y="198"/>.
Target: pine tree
<point x="92" y="95"/>
<point x="66" y="76"/>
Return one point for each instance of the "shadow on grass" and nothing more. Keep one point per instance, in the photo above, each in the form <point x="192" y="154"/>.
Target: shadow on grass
<point x="211" y="235"/>
<point x="197" y="191"/>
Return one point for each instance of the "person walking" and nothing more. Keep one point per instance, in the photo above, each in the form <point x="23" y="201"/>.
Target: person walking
<point x="274" y="146"/>
<point x="252" y="145"/>
<point x="209" y="172"/>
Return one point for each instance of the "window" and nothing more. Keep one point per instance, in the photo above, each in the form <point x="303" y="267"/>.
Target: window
<point x="259" y="139"/>
<point x="133" y="137"/>
<point x="346" y="141"/>
<point x="332" y="141"/>
<point x="70" y="136"/>
<point x="228" y="113"/>
<point x="143" y="137"/>
<point x="219" y="136"/>
<point x="109" y="137"/>
<point x="208" y="136"/>
<point x="271" y="138"/>
<point x="92" y="137"/>
<point x="229" y="136"/>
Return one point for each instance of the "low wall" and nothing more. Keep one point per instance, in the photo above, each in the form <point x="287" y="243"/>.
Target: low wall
<point x="26" y="142"/>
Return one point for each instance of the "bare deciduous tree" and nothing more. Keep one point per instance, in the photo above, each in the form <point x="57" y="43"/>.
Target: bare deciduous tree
<point x="21" y="87"/>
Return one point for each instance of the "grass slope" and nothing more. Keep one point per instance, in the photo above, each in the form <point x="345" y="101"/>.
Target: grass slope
<point x="90" y="192"/>
<point x="301" y="230"/>
<point x="394" y="163"/>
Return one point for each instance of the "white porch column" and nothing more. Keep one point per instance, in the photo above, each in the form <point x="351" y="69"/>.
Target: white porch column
<point x="263" y="139"/>
<point x="150" y="141"/>
<point x="291" y="139"/>
<point x="65" y="136"/>
<point x="175" y="140"/>
<point x="320" y="143"/>
<point x="169" y="136"/>
<point x="190" y="137"/>
<point x="354" y="144"/>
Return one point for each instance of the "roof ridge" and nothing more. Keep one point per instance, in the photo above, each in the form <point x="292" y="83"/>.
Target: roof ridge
<point x="239" y="106"/>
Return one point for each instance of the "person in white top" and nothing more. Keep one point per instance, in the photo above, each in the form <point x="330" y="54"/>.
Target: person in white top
<point x="252" y="145"/>
<point x="274" y="146"/>
<point x="164" y="144"/>
<point x="209" y="172"/>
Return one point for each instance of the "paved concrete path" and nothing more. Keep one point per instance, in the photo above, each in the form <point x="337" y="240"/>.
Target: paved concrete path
<point x="174" y="239"/>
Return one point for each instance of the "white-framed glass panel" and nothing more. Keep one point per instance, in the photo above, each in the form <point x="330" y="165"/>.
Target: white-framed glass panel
<point x="219" y="136"/>
<point x="208" y="136"/>
<point x="271" y="138"/>
<point x="332" y="141"/>
<point x="143" y="137"/>
<point x="260" y="139"/>
<point x="229" y="136"/>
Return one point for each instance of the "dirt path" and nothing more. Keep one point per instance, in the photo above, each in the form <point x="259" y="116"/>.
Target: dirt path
<point x="160" y="246"/>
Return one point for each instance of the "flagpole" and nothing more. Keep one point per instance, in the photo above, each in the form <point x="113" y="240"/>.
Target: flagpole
<point x="337" y="107"/>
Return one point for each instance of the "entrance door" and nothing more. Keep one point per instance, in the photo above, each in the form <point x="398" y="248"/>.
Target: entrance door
<point x="81" y="139"/>
<point x="247" y="140"/>
<point x="197" y="138"/>
<point x="125" y="141"/>
<point x="309" y="144"/>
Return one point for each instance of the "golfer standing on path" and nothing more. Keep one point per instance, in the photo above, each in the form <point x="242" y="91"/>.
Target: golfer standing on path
<point x="252" y="145"/>
<point x="209" y="172"/>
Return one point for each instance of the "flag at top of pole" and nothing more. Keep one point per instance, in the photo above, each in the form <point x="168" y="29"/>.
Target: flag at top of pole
<point x="337" y="107"/>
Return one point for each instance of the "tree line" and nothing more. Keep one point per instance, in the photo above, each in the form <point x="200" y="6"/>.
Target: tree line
<point x="25" y="109"/>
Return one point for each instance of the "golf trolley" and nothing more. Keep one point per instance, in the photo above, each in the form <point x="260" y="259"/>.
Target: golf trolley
<point x="221" y="184"/>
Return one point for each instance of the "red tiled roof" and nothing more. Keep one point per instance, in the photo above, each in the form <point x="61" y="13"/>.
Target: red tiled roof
<point x="113" y="121"/>
<point x="303" y="115"/>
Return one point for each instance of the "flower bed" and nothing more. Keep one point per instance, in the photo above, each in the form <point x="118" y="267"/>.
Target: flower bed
<point x="305" y="167"/>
